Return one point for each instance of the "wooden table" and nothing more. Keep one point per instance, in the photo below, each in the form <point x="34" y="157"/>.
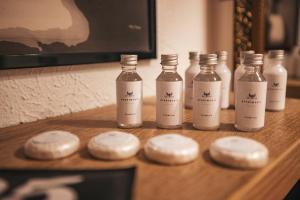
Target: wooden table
<point x="202" y="179"/>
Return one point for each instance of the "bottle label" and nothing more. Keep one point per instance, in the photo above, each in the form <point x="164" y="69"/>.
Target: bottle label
<point x="169" y="103"/>
<point x="206" y="103"/>
<point x="129" y="102"/>
<point x="276" y="92"/>
<point x="189" y="90"/>
<point x="226" y="77"/>
<point x="250" y="105"/>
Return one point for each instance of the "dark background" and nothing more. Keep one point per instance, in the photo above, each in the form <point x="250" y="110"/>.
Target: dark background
<point x="96" y="184"/>
<point x="289" y="11"/>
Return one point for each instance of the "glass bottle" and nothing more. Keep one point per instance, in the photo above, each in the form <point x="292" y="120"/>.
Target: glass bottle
<point x="129" y="88"/>
<point x="225" y="74"/>
<point x="276" y="76"/>
<point x="169" y="99"/>
<point x="207" y="94"/>
<point x="251" y="95"/>
<point x="190" y="73"/>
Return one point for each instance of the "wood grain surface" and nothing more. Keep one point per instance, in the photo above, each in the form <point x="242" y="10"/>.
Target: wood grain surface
<point x="202" y="179"/>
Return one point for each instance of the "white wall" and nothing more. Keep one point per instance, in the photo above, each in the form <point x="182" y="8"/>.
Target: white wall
<point x="220" y="27"/>
<point x="31" y="94"/>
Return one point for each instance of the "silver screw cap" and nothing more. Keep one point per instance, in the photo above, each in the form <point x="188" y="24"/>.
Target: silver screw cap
<point x="169" y="59"/>
<point x="276" y="54"/>
<point x="222" y="55"/>
<point x="208" y="59"/>
<point x="129" y="59"/>
<point x="253" y="59"/>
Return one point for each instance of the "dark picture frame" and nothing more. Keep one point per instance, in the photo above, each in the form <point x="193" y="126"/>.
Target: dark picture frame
<point x="287" y="11"/>
<point x="13" y="61"/>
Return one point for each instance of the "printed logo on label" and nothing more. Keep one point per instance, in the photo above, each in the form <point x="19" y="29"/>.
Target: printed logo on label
<point x="275" y="86"/>
<point x="206" y="97"/>
<point x="168" y="96"/>
<point x="251" y="95"/>
<point x="251" y="98"/>
<point x="129" y="96"/>
<point x="206" y="94"/>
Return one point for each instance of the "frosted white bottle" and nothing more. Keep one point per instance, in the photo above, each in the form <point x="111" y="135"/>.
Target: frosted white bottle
<point x="225" y="74"/>
<point x="207" y="95"/>
<point x="251" y="95"/>
<point x="129" y="88"/>
<point x="169" y="94"/>
<point x="190" y="73"/>
<point x="276" y="76"/>
<point x="240" y="70"/>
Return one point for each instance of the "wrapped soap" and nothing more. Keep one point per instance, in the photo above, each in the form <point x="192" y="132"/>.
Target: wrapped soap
<point x="114" y="145"/>
<point x="239" y="152"/>
<point x="171" y="149"/>
<point x="52" y="145"/>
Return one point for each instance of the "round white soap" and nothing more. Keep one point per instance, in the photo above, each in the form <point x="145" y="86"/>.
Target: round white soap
<point x="52" y="145"/>
<point x="239" y="152"/>
<point x="171" y="149"/>
<point x="114" y="145"/>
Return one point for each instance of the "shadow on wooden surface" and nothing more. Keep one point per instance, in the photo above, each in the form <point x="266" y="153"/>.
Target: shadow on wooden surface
<point x="92" y="123"/>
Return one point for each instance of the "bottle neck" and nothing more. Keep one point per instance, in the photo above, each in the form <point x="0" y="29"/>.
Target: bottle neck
<point x="194" y="62"/>
<point x="252" y="69"/>
<point x="207" y="69"/>
<point x="169" y="68"/>
<point x="128" y="68"/>
<point x="222" y="62"/>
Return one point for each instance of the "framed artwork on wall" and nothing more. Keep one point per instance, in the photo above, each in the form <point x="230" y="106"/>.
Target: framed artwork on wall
<point x="68" y="32"/>
<point x="281" y="24"/>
